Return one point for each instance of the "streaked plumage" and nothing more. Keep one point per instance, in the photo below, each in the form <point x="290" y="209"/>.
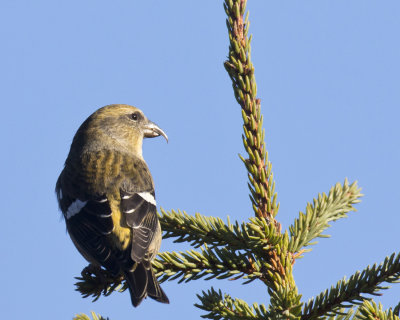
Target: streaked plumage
<point x="106" y="194"/>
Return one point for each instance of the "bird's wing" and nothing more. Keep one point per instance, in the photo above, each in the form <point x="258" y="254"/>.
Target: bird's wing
<point x="89" y="224"/>
<point x="139" y="210"/>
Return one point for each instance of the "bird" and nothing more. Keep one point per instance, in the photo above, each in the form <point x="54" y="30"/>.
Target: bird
<point x="106" y="195"/>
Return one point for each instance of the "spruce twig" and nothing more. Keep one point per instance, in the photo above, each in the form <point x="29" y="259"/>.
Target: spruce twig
<point x="256" y="236"/>
<point x="210" y="263"/>
<point x="369" y="310"/>
<point x="241" y="71"/>
<point x="221" y="306"/>
<point x="325" y="208"/>
<point x="282" y="288"/>
<point x="352" y="291"/>
<point x="95" y="281"/>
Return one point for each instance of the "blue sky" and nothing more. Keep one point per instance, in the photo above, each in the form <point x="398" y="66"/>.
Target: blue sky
<point x="328" y="74"/>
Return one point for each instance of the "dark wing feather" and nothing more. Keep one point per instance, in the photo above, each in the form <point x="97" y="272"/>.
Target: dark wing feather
<point x="141" y="215"/>
<point x="89" y="228"/>
<point x="98" y="215"/>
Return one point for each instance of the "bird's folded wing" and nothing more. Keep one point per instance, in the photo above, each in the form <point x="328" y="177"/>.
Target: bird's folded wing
<point x="139" y="209"/>
<point x="89" y="224"/>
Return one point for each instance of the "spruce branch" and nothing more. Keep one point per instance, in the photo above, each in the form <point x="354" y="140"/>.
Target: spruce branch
<point x="241" y="71"/>
<point x="275" y="270"/>
<point x="261" y="184"/>
<point x="369" y="310"/>
<point x="221" y="306"/>
<point x="95" y="281"/>
<point x="256" y="236"/>
<point x="352" y="291"/>
<point x="220" y="263"/>
<point x="325" y="208"/>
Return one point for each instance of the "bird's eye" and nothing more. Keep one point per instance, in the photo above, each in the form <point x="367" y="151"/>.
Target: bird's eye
<point x="134" y="116"/>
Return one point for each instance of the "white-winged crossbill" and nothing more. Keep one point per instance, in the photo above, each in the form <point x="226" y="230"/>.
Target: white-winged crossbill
<point x="106" y="194"/>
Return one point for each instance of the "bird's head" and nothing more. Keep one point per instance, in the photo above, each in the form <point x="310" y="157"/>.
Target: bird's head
<point x="118" y="126"/>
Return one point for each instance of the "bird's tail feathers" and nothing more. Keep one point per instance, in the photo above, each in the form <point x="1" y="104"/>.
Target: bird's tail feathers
<point x="137" y="284"/>
<point x="141" y="283"/>
<point x="154" y="289"/>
